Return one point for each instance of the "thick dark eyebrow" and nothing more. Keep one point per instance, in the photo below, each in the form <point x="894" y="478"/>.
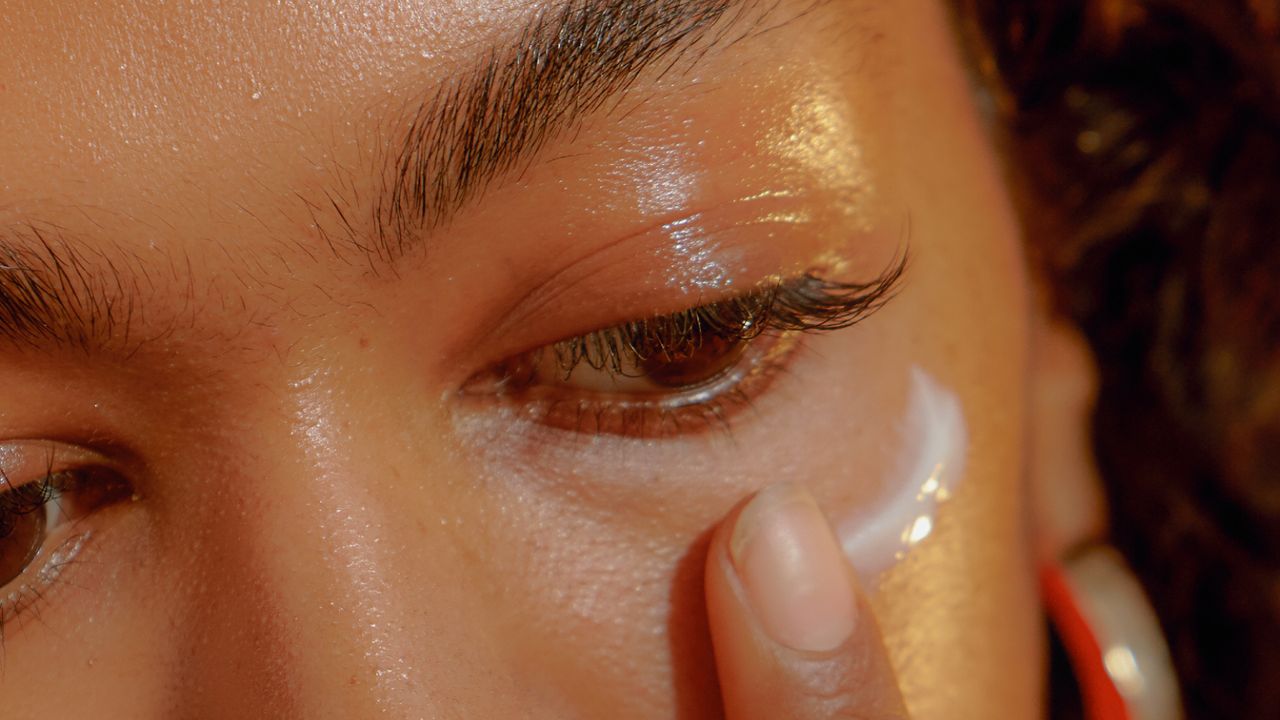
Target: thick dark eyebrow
<point x="564" y="65"/>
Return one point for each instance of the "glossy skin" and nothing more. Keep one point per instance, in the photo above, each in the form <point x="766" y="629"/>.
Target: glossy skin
<point x="324" y="527"/>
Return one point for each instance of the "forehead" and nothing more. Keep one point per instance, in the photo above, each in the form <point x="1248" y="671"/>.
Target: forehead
<point x="108" y="103"/>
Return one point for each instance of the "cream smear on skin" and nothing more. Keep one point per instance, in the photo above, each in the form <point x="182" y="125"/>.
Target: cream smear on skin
<point x="930" y="466"/>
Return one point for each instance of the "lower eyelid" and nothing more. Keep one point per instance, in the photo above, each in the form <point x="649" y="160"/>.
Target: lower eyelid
<point x="34" y="587"/>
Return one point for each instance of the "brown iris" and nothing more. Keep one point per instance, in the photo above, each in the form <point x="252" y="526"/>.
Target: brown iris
<point x="712" y="357"/>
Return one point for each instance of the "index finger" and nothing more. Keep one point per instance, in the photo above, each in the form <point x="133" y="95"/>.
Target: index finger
<point x="794" y="635"/>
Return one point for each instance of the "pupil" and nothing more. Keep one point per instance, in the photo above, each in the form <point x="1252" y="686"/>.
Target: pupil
<point x="713" y="356"/>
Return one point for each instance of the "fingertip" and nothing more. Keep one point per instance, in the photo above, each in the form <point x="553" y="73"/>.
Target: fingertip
<point x="793" y="571"/>
<point x="794" y="636"/>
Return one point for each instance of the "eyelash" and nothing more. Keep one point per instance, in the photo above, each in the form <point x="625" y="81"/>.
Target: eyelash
<point x="778" y="310"/>
<point x="15" y="503"/>
<point x="804" y="304"/>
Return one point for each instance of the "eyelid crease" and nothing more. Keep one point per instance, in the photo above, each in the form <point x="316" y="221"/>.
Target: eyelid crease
<point x="35" y="459"/>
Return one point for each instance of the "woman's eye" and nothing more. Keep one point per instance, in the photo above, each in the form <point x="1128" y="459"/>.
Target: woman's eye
<point x="39" y="515"/>
<point x="642" y="392"/>
<point x="683" y="372"/>
<point x="638" y="371"/>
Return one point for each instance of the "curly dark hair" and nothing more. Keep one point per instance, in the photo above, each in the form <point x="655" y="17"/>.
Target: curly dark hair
<point x="1142" y="144"/>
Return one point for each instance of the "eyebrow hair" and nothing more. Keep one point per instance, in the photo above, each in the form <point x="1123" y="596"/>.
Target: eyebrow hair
<point x="68" y="294"/>
<point x="564" y="65"/>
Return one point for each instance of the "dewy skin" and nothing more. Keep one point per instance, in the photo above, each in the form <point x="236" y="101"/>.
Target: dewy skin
<point x="931" y="464"/>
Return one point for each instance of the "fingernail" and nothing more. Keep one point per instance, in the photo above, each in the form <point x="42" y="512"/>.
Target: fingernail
<point x="791" y="567"/>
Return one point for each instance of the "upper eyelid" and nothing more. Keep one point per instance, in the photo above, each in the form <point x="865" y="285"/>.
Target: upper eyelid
<point x="26" y="460"/>
<point x="803" y="303"/>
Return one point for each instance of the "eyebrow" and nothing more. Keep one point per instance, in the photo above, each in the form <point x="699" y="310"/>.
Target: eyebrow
<point x="566" y="64"/>
<point x="53" y="290"/>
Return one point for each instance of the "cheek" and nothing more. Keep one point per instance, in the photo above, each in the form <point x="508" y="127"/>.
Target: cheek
<point x="603" y="607"/>
<point x="605" y="539"/>
<point x="961" y="614"/>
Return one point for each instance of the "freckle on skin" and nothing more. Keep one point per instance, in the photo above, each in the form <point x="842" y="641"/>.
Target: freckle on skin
<point x="364" y="343"/>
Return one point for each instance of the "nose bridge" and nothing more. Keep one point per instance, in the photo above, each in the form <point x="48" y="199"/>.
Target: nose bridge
<point x="341" y="538"/>
<point x="326" y="597"/>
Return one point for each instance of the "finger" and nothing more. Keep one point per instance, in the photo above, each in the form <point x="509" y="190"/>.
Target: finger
<point x="794" y="636"/>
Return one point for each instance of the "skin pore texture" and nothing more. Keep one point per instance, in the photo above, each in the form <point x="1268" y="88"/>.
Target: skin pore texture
<point x="321" y="523"/>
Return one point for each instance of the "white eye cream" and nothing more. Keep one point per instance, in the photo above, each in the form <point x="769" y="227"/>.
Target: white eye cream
<point x="930" y="465"/>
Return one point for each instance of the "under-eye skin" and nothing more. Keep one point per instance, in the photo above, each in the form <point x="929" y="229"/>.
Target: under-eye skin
<point x="681" y="373"/>
<point x="43" y="528"/>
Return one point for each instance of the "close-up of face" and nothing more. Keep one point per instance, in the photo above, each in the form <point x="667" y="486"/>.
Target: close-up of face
<point x="398" y="359"/>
